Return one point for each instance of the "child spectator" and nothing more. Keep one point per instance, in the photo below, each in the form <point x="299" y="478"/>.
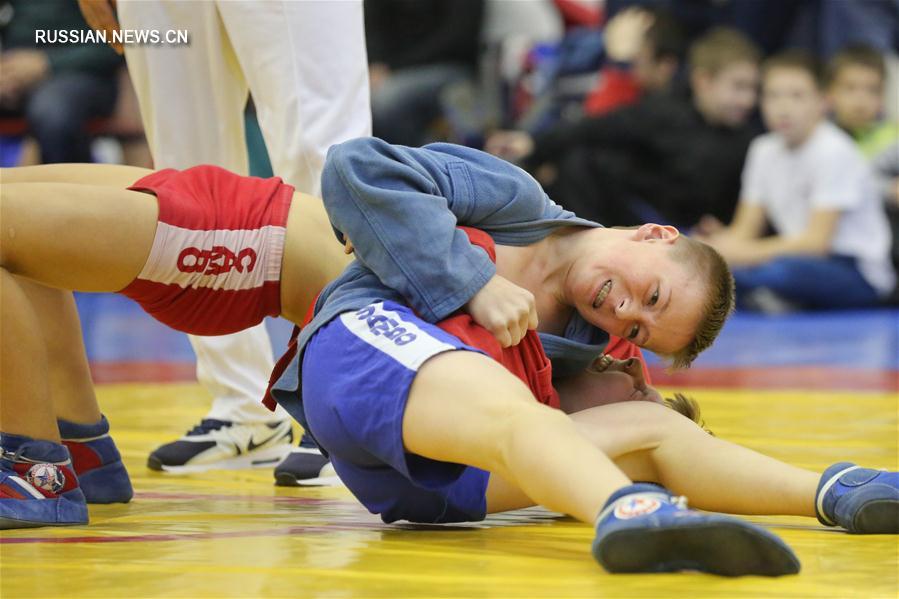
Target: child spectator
<point x="664" y="159"/>
<point x="856" y="77"/>
<point x="831" y="247"/>
<point x="644" y="52"/>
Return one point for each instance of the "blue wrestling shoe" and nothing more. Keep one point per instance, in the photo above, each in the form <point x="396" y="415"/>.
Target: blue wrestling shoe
<point x="38" y="486"/>
<point x="645" y="529"/>
<point x="861" y="500"/>
<point x="97" y="461"/>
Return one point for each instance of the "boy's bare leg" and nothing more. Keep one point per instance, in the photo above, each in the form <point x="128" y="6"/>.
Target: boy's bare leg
<point x="106" y="175"/>
<point x="651" y="442"/>
<point x="495" y="424"/>
<point x="65" y="236"/>
<point x="25" y="408"/>
<point x="71" y="387"/>
<point x="75" y="237"/>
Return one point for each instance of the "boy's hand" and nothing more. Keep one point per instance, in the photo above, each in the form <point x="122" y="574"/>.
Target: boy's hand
<point x="504" y="309"/>
<point x="626" y="32"/>
<point x="708" y="226"/>
<point x="22" y="70"/>
<point x="510" y="145"/>
<point x="100" y="15"/>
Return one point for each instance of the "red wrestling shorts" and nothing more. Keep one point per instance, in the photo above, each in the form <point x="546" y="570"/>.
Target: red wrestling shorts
<point x="215" y="265"/>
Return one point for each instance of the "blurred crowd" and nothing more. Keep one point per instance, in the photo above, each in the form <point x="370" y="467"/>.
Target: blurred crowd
<point x="768" y="128"/>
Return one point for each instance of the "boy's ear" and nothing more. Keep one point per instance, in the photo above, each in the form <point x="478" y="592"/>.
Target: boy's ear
<point x="654" y="232"/>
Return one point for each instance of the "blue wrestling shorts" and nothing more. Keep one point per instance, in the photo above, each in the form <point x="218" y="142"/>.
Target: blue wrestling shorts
<point x="357" y="372"/>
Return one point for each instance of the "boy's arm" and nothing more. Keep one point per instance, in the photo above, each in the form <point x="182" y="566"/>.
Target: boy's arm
<point x="629" y="125"/>
<point x="749" y="219"/>
<point x="748" y="223"/>
<point x="400" y="208"/>
<point x="841" y="182"/>
<point x="815" y="240"/>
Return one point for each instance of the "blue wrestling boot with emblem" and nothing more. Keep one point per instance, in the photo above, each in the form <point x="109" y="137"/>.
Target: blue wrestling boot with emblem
<point x="861" y="500"/>
<point x="643" y="528"/>
<point x="97" y="461"/>
<point x="38" y="486"/>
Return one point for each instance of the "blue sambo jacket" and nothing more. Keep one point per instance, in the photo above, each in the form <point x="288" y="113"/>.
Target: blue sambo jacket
<point x="400" y="207"/>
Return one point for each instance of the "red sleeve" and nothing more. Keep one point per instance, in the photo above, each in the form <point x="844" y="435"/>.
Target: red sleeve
<point x="616" y="88"/>
<point x="580" y="14"/>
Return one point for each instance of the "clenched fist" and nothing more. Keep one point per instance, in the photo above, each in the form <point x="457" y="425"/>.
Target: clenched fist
<point x="504" y="309"/>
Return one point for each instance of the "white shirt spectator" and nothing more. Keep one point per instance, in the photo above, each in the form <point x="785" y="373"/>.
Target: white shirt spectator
<point x="827" y="172"/>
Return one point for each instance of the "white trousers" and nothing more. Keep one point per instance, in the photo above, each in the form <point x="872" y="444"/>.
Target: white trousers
<point x="304" y="63"/>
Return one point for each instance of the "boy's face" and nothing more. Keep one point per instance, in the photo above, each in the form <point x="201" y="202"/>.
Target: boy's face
<point x="637" y="291"/>
<point x="653" y="73"/>
<point x="856" y="96"/>
<point x="729" y="96"/>
<point x="792" y="104"/>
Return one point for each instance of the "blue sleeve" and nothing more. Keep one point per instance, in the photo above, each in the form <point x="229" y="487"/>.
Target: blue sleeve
<point x="400" y="208"/>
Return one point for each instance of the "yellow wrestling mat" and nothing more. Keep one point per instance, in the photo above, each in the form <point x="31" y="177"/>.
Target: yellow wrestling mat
<point x="233" y="534"/>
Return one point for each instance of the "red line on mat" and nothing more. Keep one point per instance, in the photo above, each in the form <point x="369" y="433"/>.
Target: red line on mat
<point x="781" y="377"/>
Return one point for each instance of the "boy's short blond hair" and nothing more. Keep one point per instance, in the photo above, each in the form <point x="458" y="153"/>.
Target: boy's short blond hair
<point x="856" y="55"/>
<point x="720" y="48"/>
<point x="713" y="272"/>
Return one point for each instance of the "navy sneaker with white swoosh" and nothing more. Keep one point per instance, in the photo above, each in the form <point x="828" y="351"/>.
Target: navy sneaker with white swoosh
<point x="222" y="445"/>
<point x="305" y="466"/>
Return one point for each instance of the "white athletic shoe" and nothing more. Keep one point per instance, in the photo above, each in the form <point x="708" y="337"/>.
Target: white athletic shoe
<point x="223" y="445"/>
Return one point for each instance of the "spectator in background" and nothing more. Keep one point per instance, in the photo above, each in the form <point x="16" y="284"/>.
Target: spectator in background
<point x="644" y="52"/>
<point x="57" y="88"/>
<point x="415" y="49"/>
<point x="664" y="159"/>
<point x="856" y="84"/>
<point x="808" y="179"/>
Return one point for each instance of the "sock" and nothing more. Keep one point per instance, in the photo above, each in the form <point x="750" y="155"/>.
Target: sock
<point x="72" y="431"/>
<point x="33" y="449"/>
